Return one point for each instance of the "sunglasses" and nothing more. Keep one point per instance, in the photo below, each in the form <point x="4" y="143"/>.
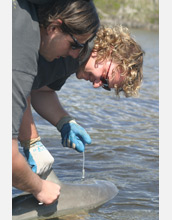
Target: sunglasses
<point x="77" y="45"/>
<point x="105" y="80"/>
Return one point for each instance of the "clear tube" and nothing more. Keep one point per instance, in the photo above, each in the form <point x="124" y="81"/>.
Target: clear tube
<point x="83" y="166"/>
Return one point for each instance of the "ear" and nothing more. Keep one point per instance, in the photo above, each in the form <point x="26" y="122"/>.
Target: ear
<point x="120" y="69"/>
<point x="94" y="54"/>
<point x="59" y="21"/>
<point x="54" y="26"/>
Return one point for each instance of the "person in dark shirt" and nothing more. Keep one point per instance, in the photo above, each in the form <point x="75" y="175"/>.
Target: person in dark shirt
<point x="53" y="29"/>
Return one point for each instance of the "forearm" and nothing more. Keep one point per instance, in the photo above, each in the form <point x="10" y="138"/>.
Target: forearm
<point x="28" y="129"/>
<point x="23" y="178"/>
<point x="46" y="103"/>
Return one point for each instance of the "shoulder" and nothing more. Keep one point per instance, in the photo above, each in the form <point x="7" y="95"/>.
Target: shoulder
<point x="25" y="37"/>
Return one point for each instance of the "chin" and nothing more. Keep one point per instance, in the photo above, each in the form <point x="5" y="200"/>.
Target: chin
<point x="78" y="76"/>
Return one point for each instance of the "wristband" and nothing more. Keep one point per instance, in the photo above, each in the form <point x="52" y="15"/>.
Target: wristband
<point x="28" y="144"/>
<point x="63" y="121"/>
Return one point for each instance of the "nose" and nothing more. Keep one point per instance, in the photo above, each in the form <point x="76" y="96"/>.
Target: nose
<point x="74" y="53"/>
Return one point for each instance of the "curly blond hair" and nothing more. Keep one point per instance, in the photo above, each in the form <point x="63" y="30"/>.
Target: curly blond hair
<point x="116" y="44"/>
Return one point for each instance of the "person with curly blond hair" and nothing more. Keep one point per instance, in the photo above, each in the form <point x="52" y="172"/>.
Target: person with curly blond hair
<point x="113" y="61"/>
<point x="117" y="46"/>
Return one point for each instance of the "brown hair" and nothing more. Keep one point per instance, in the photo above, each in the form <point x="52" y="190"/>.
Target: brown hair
<point x="116" y="44"/>
<point x="80" y="16"/>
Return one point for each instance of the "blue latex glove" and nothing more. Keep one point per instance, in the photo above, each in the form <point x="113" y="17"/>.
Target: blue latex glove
<point x="38" y="157"/>
<point x="74" y="136"/>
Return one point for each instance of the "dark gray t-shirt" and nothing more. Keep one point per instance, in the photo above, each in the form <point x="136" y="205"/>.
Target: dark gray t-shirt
<point x="54" y="74"/>
<point x="39" y="2"/>
<point x="25" y="46"/>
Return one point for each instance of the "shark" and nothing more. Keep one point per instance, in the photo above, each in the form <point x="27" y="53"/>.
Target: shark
<point x="73" y="198"/>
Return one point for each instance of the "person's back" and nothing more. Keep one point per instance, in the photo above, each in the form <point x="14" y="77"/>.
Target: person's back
<point x="43" y="28"/>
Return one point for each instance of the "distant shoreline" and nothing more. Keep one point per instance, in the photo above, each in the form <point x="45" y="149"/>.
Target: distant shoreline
<point x="142" y="14"/>
<point x="129" y="24"/>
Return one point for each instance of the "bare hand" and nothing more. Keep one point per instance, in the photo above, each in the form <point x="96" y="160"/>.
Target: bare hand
<point x="49" y="193"/>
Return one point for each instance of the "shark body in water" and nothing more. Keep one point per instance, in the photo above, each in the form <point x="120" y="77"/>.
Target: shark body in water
<point x="73" y="198"/>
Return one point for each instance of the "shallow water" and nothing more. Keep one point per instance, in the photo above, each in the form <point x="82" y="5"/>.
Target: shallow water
<point x="125" y="141"/>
